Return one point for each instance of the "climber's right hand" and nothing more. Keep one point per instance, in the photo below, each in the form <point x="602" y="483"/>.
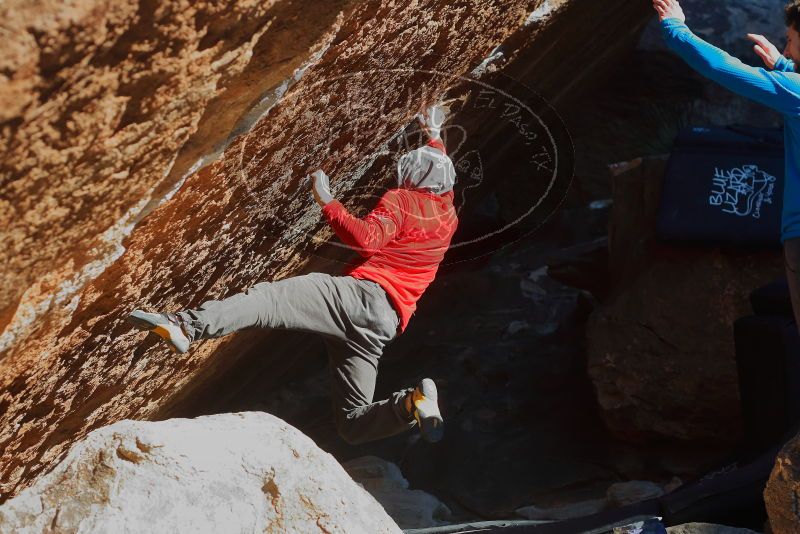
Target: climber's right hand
<point x="321" y="187"/>
<point x="767" y="51"/>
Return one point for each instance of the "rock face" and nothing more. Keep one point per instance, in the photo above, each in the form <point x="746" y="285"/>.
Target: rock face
<point x="240" y="472"/>
<point x="661" y="351"/>
<point x="239" y="221"/>
<point x="633" y="491"/>
<point x="104" y="106"/>
<point x="783" y="487"/>
<point x="103" y="98"/>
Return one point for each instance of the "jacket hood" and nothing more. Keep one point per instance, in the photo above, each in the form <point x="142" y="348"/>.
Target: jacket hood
<point x="427" y="168"/>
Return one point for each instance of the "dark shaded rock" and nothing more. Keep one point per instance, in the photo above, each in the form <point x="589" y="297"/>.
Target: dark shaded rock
<point x="584" y="266"/>
<point x="707" y="528"/>
<point x="409" y="508"/>
<point x="633" y="491"/>
<point x="568" y="511"/>
<point x="661" y="353"/>
<point x="636" y="190"/>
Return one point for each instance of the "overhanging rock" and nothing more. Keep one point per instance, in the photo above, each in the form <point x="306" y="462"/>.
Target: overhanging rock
<point x="77" y="365"/>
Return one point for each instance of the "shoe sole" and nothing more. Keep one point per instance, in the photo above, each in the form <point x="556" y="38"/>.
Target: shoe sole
<point x="153" y="322"/>
<point x="429" y="418"/>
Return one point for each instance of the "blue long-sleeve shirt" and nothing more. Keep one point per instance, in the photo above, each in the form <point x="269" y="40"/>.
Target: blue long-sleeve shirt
<point x="778" y="89"/>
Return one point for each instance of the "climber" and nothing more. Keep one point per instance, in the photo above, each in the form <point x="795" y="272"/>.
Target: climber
<point x="402" y="241"/>
<point x="777" y="87"/>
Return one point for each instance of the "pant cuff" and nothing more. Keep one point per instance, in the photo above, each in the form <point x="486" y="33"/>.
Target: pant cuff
<point x="398" y="405"/>
<point x="194" y="323"/>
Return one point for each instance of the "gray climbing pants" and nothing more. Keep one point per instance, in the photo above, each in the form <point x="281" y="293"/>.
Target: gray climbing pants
<point x="356" y="320"/>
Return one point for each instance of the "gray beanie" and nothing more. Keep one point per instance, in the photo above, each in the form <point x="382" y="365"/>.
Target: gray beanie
<point x="426" y="168"/>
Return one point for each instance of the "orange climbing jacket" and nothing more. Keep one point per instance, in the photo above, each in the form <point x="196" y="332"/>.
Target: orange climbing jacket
<point x="405" y="237"/>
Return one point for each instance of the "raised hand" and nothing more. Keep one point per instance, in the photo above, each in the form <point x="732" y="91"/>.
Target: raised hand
<point x="767" y="51"/>
<point x="320" y="187"/>
<point x="669" y="9"/>
<point x="431" y="120"/>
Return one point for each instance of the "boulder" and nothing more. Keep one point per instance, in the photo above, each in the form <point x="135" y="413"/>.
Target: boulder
<point x="633" y="491"/>
<point x="783" y="488"/>
<point x="618" y="494"/>
<point x="104" y="109"/>
<point x="661" y="351"/>
<point x="156" y="155"/>
<point x="564" y="512"/>
<point x="113" y="92"/>
<point x="238" y="472"/>
<point x="636" y="190"/>
<point x="707" y="528"/>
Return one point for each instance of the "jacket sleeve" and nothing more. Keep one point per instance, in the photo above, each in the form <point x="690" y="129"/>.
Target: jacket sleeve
<point x="370" y="234"/>
<point x="777" y="89"/>
<point x="784" y="64"/>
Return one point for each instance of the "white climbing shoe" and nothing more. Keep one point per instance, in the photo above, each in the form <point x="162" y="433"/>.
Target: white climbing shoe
<point x="171" y="327"/>
<point x="425" y="408"/>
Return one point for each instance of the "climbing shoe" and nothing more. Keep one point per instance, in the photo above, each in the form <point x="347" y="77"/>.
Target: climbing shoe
<point x="425" y="408"/>
<point x="167" y="325"/>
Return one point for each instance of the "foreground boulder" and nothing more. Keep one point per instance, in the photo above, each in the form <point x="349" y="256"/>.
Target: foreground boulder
<point x="240" y="472"/>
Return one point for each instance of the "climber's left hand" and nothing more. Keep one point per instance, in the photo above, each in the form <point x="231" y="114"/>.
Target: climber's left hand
<point x="669" y="9"/>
